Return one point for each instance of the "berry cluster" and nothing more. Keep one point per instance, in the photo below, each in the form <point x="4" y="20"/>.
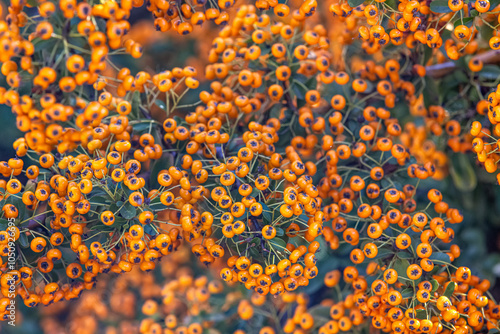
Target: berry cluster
<point x="296" y="144"/>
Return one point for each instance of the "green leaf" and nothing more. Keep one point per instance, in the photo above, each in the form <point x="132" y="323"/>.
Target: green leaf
<point x="267" y="216"/>
<point x="100" y="200"/>
<point x="278" y="244"/>
<point x="466" y="21"/>
<point x="179" y="120"/>
<point x="294" y="68"/>
<point x="427" y="53"/>
<point x="400" y="266"/>
<point x="148" y="229"/>
<point x="486" y="31"/>
<point x="460" y="76"/>
<point x="489" y="72"/>
<point x="23" y="240"/>
<point x="311" y="82"/>
<point x="355" y="3"/>
<point x="463" y="174"/>
<point x="383" y="253"/>
<point x="280" y="232"/>
<point x="255" y="242"/>
<point x="404" y="255"/>
<point x="299" y="91"/>
<point x="494" y="3"/>
<point x="128" y="211"/>
<point x="323" y="249"/>
<point x="157" y="205"/>
<point x="450" y="289"/>
<point x="320" y="312"/>
<point x="4" y="223"/>
<point x="143" y="126"/>
<point x="102" y="227"/>
<point x="136" y="102"/>
<point x="113" y="207"/>
<point x="45" y="171"/>
<point x="440" y="6"/>
<point x="421" y="314"/>
<point x="254" y="247"/>
<point x="407" y="293"/>
<point x="441" y="258"/>
<point x="435" y="285"/>
<point x="21" y="207"/>
<point x="431" y="90"/>
<point x="391" y="3"/>
<point x="43" y="44"/>
<point x="160" y="104"/>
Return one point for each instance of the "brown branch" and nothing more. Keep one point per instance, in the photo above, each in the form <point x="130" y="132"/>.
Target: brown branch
<point x="440" y="70"/>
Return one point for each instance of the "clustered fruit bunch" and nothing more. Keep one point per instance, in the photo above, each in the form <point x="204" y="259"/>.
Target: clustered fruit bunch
<point x="310" y="143"/>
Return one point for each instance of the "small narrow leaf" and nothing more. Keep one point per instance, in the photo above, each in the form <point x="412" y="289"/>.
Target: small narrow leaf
<point x="435" y="285"/>
<point x="128" y="211"/>
<point x="440" y="258"/>
<point x="440" y="6"/>
<point x="355" y="3"/>
<point x="450" y="289"/>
